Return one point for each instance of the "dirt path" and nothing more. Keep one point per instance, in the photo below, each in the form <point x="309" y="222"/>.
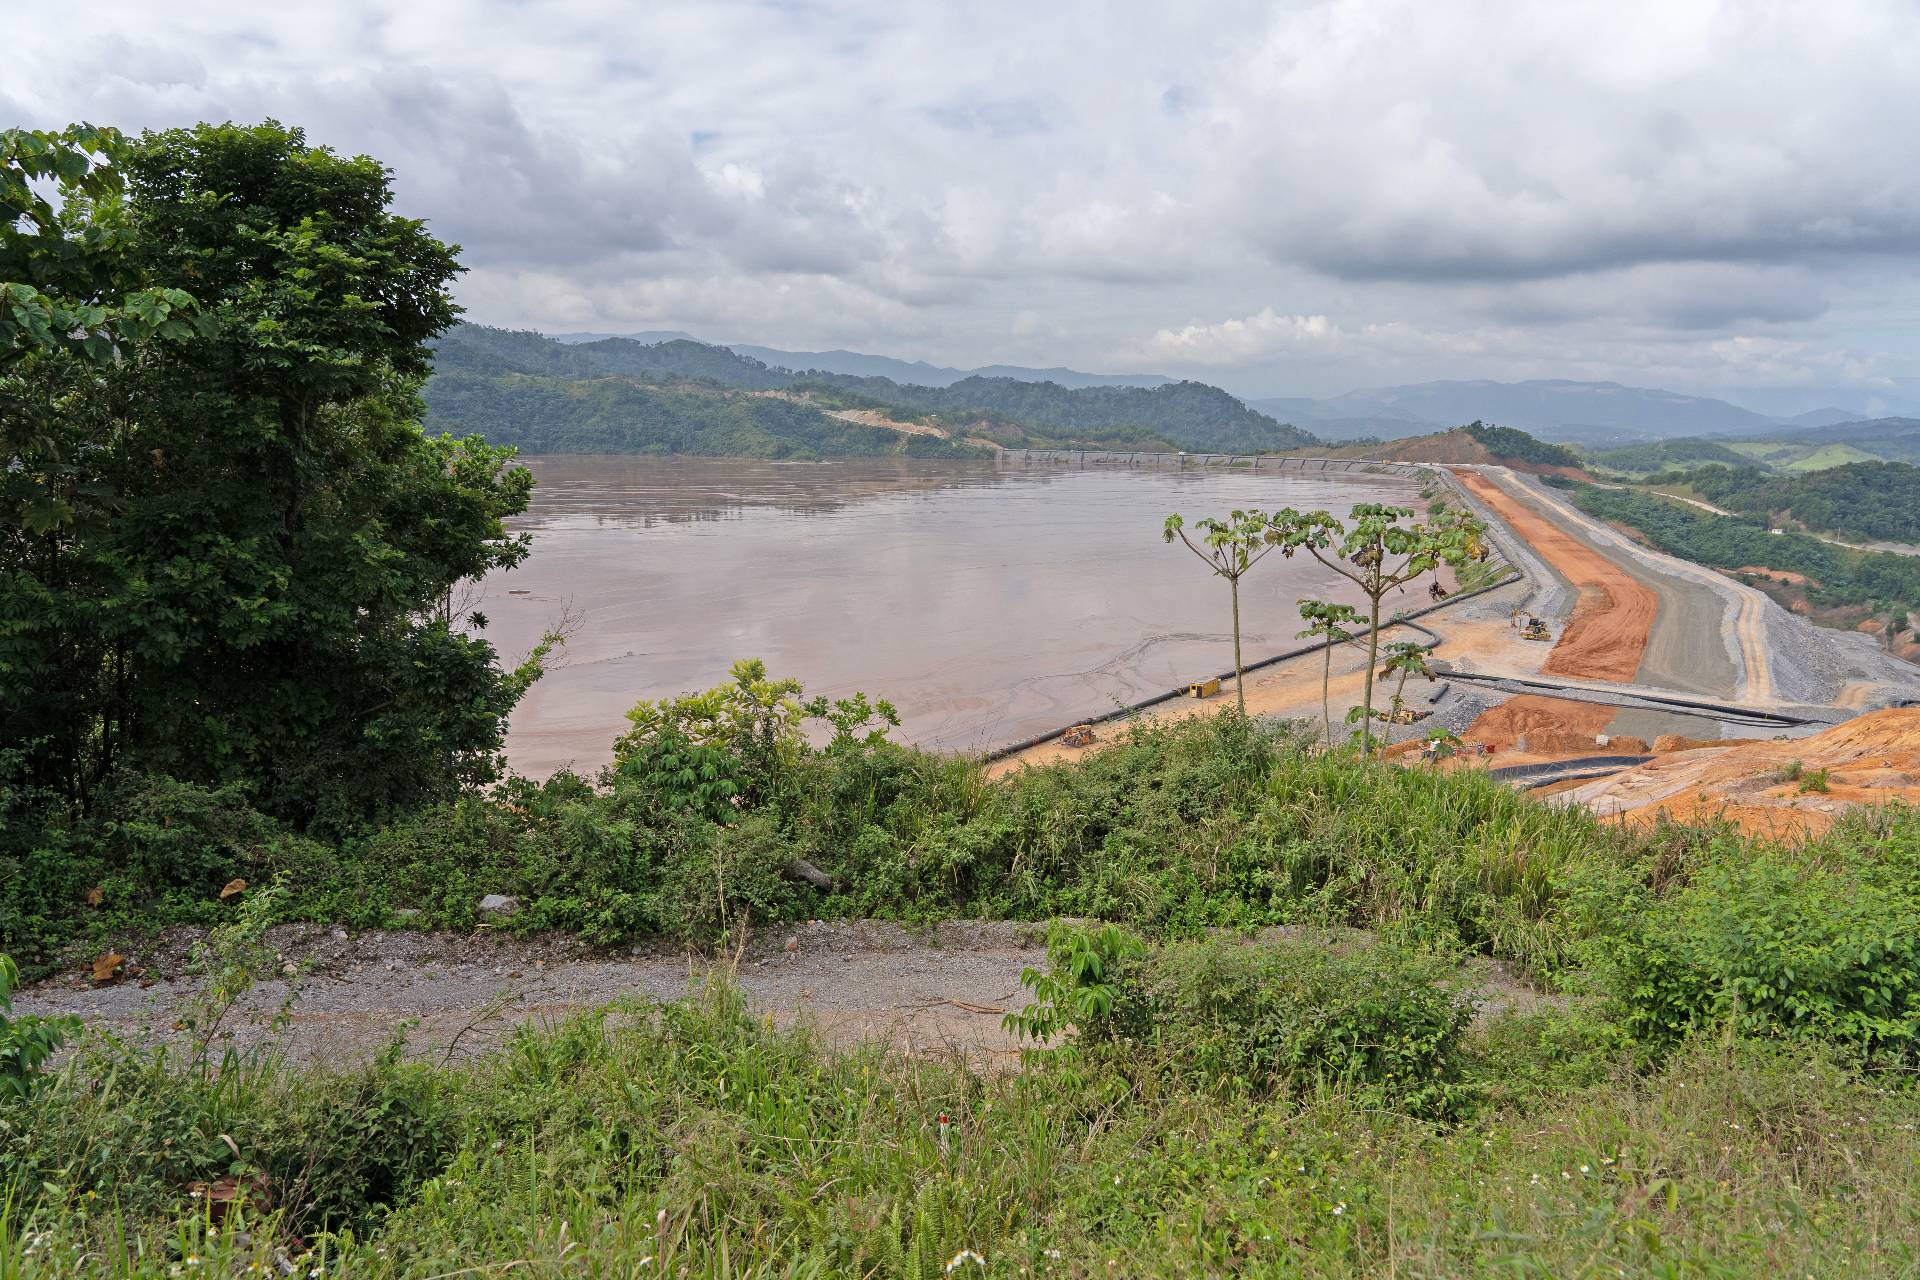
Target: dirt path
<point x="937" y="990"/>
<point x="1614" y="616"/>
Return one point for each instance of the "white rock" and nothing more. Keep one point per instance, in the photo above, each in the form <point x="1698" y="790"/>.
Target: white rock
<point x="499" y="904"/>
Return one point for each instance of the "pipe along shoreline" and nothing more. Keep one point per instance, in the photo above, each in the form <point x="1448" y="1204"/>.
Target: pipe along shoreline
<point x="1434" y="641"/>
<point x="1515" y="574"/>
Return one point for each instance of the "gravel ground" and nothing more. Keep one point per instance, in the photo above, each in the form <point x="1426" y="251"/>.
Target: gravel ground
<point x="933" y="990"/>
<point x="937" y="991"/>
<point x="1808" y="664"/>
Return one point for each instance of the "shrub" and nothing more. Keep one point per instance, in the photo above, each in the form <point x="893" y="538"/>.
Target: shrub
<point x="1377" y="1022"/>
<point x="27" y="1042"/>
<point x="1777" y="947"/>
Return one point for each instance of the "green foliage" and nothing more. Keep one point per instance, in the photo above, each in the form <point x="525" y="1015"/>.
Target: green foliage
<point x="1378" y="549"/>
<point x="1883" y="580"/>
<point x="1380" y="1025"/>
<point x="256" y="546"/>
<point x="1076" y="992"/>
<point x="1778" y="945"/>
<point x="1862" y="501"/>
<point x="1510" y="444"/>
<point x="1231" y="548"/>
<point x="680" y="773"/>
<point x="1814" y="780"/>
<point x="25" y="1042"/>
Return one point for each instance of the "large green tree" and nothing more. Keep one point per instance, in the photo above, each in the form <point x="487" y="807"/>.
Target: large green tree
<point x="227" y="550"/>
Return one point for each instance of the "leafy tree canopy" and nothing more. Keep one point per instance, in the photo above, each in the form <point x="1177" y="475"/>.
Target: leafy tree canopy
<point x="227" y="550"/>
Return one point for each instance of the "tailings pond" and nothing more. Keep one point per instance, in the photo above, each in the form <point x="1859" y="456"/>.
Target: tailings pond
<point x="988" y="603"/>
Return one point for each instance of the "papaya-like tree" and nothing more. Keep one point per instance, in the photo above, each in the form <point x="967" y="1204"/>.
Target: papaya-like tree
<point x="1232" y="547"/>
<point x="1406" y="658"/>
<point x="1379" y="548"/>
<point x="1328" y="623"/>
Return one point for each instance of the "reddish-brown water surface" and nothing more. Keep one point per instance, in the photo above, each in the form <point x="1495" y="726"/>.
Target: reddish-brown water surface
<point x="988" y="604"/>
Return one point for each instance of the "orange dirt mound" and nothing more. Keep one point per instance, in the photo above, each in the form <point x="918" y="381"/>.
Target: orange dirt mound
<point x="1868" y="760"/>
<point x="1537" y="718"/>
<point x="1608" y="633"/>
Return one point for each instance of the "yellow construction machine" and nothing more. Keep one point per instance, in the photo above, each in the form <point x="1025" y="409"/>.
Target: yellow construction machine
<point x="1531" y="628"/>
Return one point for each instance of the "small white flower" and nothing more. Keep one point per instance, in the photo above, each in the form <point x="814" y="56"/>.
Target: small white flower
<point x="965" y="1256"/>
<point x="1340" y="1208"/>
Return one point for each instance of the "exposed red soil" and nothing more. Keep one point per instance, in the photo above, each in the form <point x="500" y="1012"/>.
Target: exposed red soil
<point x="1611" y="620"/>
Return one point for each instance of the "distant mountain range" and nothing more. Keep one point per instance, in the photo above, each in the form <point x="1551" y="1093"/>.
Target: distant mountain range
<point x="1590" y="413"/>
<point x="1595" y="415"/>
<point x="860" y="365"/>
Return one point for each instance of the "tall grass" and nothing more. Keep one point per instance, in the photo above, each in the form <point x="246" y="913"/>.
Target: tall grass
<point x="691" y="1139"/>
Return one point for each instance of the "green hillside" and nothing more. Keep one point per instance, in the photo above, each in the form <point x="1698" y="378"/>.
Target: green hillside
<point x="1191" y="415"/>
<point x="475" y="391"/>
<point x="1665" y="455"/>
<point x="615" y="414"/>
<point x="1860" y="501"/>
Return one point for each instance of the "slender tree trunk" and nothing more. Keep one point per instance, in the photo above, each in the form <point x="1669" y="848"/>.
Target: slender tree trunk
<point x="1373" y="655"/>
<point x="1239" y="682"/>
<point x="1326" y="691"/>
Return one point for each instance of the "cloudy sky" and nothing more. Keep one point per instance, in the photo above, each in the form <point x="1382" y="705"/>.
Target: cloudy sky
<point x="1283" y="198"/>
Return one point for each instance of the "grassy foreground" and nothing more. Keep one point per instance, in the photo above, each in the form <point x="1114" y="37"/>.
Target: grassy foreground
<point x="1723" y="1086"/>
<point x="692" y="1140"/>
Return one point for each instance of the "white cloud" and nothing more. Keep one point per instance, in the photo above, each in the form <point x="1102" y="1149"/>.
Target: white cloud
<point x="1237" y="341"/>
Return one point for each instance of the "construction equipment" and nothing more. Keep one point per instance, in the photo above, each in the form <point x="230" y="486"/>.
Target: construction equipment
<point x="1081" y="735"/>
<point x="1204" y="688"/>
<point x="1535" y="630"/>
<point x="1403" y="715"/>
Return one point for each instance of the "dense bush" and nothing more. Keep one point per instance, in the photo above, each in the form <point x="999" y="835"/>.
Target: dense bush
<point x="1780" y="946"/>
<point x="1382" y="1026"/>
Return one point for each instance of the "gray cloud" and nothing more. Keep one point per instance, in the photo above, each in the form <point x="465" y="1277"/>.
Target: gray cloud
<point x="1300" y="195"/>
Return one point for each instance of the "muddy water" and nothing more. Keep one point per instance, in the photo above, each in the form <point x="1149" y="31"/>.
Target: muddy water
<point x="988" y="604"/>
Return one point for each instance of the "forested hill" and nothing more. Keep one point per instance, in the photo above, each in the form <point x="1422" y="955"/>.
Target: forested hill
<point x="616" y="414"/>
<point x="1191" y="415"/>
<point x="1865" y="501"/>
<point x="486" y="380"/>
